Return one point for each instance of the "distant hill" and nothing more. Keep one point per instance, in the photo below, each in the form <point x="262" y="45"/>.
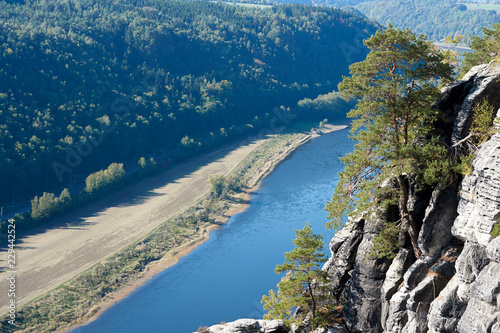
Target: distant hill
<point x="87" y="83"/>
<point x="435" y="18"/>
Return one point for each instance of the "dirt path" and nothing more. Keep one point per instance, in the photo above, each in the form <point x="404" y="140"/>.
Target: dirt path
<point x="50" y="256"/>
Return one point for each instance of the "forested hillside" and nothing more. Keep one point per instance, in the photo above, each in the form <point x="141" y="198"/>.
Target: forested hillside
<point x="435" y="18"/>
<point x="87" y="83"/>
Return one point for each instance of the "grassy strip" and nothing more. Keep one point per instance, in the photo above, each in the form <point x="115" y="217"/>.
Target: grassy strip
<point x="82" y="297"/>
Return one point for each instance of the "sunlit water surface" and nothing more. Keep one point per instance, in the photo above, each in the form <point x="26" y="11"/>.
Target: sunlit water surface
<point x="224" y="279"/>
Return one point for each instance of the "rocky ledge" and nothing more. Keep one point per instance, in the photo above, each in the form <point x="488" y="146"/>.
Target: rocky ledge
<point x="247" y="326"/>
<point x="454" y="286"/>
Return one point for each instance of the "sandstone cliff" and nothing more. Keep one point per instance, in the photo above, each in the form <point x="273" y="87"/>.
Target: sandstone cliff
<point x="455" y="285"/>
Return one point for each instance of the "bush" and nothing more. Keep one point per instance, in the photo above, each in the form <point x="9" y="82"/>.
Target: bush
<point x="104" y="179"/>
<point x="146" y="166"/>
<point x="495" y="232"/>
<point x="48" y="205"/>
<point x="482" y="121"/>
<point x="217" y="184"/>
<point x="386" y="243"/>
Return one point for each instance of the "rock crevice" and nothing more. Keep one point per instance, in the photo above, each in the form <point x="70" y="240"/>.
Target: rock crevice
<point x="455" y="284"/>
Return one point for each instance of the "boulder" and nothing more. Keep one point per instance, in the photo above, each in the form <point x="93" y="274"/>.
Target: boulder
<point x="482" y="312"/>
<point x="247" y="326"/>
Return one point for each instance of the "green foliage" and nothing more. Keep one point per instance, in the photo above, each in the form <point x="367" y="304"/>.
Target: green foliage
<point x="220" y="185"/>
<point x="465" y="166"/>
<point x="386" y="243"/>
<point x="482" y="121"/>
<point x="146" y="166"/>
<point x="392" y="121"/>
<point x="437" y="19"/>
<point x="85" y="83"/>
<point x="452" y="54"/>
<point x="65" y="198"/>
<point x="48" y="205"/>
<point x="484" y="49"/>
<point x="330" y="104"/>
<point x="393" y="124"/>
<point x="495" y="232"/>
<point x="44" y="206"/>
<point x="305" y="284"/>
<point x="104" y="179"/>
<point x="217" y="184"/>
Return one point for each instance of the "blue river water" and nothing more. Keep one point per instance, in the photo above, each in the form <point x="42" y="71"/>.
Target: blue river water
<point x="224" y="279"/>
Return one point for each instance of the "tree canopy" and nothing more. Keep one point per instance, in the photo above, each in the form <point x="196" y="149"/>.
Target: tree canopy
<point x="437" y="19"/>
<point x="484" y="49"/>
<point x="395" y="86"/>
<point x="84" y="84"/>
<point x="305" y="284"/>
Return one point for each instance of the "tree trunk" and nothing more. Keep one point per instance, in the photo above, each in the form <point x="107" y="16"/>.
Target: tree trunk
<point x="313" y="301"/>
<point x="408" y="222"/>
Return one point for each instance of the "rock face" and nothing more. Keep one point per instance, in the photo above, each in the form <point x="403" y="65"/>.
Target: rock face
<point x="247" y="326"/>
<point x="454" y="286"/>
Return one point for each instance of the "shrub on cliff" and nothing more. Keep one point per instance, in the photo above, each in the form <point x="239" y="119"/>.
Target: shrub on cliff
<point x="484" y="49"/>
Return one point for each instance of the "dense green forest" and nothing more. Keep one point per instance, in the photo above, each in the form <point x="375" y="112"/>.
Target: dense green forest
<point x="84" y="84"/>
<point x="435" y="18"/>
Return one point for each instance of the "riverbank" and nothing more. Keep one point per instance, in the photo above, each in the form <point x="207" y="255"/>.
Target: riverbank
<point x="82" y="298"/>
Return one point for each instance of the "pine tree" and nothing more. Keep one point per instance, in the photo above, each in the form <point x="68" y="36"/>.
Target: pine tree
<point x="395" y="87"/>
<point x="484" y="48"/>
<point x="305" y="284"/>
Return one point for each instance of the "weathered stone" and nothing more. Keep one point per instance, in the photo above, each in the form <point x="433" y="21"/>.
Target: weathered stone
<point x="417" y="320"/>
<point x="493" y="249"/>
<point x="367" y="266"/>
<point x="343" y="247"/>
<point x="409" y="309"/>
<point x="482" y="311"/>
<point x="485" y="81"/>
<point x="439" y="217"/>
<point x="362" y="304"/>
<point x="451" y="282"/>
<point x="393" y="280"/>
<point x="398" y="315"/>
<point x="446" y="310"/>
<point x="470" y="262"/>
<point x="487" y="286"/>
<point x="394" y="275"/>
<point x="418" y="271"/>
<point x="479" y="205"/>
<point x="249" y="326"/>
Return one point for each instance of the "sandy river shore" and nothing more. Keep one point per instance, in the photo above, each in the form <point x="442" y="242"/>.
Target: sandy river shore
<point x="48" y="257"/>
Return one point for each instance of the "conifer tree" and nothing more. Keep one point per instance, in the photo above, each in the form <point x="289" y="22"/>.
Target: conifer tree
<point x="305" y="284"/>
<point x="395" y="87"/>
<point x="484" y="48"/>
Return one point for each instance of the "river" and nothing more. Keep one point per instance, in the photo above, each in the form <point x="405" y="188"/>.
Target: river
<point x="224" y="279"/>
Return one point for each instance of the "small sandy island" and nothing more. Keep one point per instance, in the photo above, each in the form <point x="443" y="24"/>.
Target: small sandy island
<point x="48" y="257"/>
